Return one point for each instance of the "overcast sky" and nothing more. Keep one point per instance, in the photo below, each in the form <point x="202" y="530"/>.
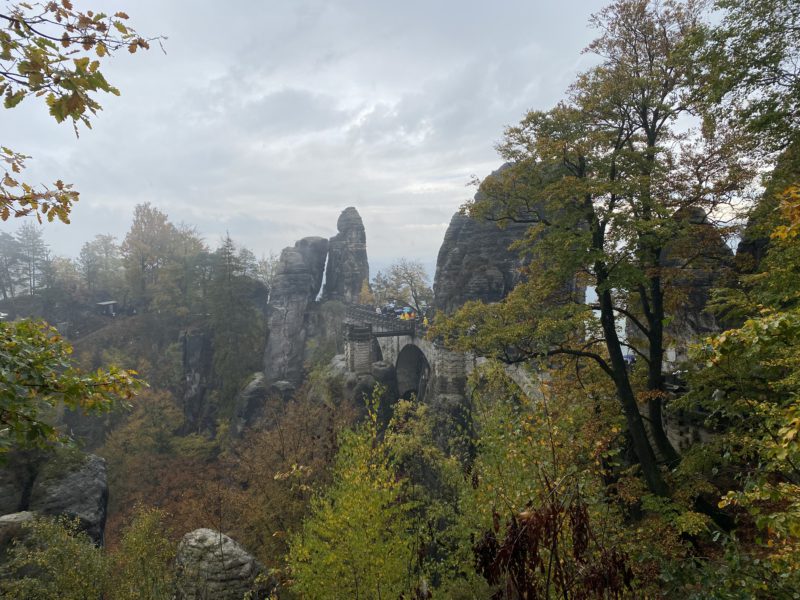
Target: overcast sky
<point x="266" y="119"/>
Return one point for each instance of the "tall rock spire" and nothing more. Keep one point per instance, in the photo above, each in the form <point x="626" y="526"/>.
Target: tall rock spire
<point x="297" y="281"/>
<point x="348" y="267"/>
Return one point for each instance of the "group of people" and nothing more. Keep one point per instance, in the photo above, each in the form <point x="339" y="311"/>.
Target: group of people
<point x="404" y="313"/>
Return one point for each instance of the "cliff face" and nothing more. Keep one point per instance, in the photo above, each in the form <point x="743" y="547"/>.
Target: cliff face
<point x="197" y="360"/>
<point x="295" y="288"/>
<point x="348" y="267"/>
<point x="694" y="263"/>
<point x="66" y="482"/>
<point x="475" y="262"/>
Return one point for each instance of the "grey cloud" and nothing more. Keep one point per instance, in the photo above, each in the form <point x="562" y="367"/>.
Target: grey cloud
<point x="265" y="119"/>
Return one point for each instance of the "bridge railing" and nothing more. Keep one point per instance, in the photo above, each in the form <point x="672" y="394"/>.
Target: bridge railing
<point x="356" y="314"/>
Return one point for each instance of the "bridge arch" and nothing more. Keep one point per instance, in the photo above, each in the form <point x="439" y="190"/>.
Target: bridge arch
<point x="413" y="372"/>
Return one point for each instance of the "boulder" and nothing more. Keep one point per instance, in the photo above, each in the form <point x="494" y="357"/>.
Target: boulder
<point x="77" y="491"/>
<point x="12" y="528"/>
<point x="66" y="482"/>
<point x="338" y="365"/>
<point x="16" y="479"/>
<point x="348" y="267"/>
<point x="384" y="373"/>
<point x="209" y="564"/>
<point x="283" y="390"/>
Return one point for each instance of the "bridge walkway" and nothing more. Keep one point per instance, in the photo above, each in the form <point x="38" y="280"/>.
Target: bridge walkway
<point x="382" y="325"/>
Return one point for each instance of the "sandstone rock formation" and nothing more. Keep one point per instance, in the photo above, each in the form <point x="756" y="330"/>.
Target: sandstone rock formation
<point x="197" y="357"/>
<point x="211" y="565"/>
<point x="75" y="486"/>
<point x="475" y="262"/>
<point x="694" y="261"/>
<point x="348" y="267"/>
<point x="12" y="527"/>
<point x="249" y="403"/>
<point x="296" y="285"/>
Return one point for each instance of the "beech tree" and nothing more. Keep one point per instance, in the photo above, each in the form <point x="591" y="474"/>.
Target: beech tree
<point x="36" y="378"/>
<point x="608" y="181"/>
<point x="356" y="538"/>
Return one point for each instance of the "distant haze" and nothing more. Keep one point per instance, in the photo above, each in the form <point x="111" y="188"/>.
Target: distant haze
<point x="266" y="119"/>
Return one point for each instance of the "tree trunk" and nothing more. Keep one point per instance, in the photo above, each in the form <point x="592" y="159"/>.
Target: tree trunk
<point x="655" y="377"/>
<point x="641" y="444"/>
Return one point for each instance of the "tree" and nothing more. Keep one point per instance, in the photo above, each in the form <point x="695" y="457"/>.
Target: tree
<point x="278" y="469"/>
<point x="142" y="565"/>
<point x="55" y="560"/>
<point x="365" y="295"/>
<point x="607" y="180"/>
<point x="749" y="68"/>
<point x="357" y="538"/>
<point x="146" y="250"/>
<point x="64" y="276"/>
<point x="406" y="282"/>
<point x="9" y="263"/>
<point x="36" y="378"/>
<point x="181" y="287"/>
<point x="746" y="384"/>
<point x="101" y="265"/>
<point x="236" y="323"/>
<point x="51" y="51"/>
<point x="750" y="80"/>
<point x="32" y="257"/>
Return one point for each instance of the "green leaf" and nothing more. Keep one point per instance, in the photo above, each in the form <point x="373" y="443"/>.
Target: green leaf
<point x="13" y="99"/>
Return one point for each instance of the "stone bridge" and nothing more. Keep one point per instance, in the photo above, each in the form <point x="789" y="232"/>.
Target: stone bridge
<point x="423" y="368"/>
<point x="438" y="376"/>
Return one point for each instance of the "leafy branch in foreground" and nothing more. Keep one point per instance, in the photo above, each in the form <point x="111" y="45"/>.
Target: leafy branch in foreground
<point x="36" y="378"/>
<point x="52" y="51"/>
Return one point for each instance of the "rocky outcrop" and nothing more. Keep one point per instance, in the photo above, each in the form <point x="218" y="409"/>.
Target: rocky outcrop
<point x="358" y="388"/>
<point x="296" y="285"/>
<point x="348" y="267"/>
<point x="249" y="403"/>
<point x="197" y="358"/>
<point x="475" y="262"/>
<point x="211" y="565"/>
<point x="69" y="484"/>
<point x="694" y="263"/>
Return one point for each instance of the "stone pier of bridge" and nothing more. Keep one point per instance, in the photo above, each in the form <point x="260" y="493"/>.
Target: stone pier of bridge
<point x="423" y="367"/>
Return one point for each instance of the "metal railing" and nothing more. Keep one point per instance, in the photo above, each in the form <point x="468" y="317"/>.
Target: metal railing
<point x="387" y="325"/>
